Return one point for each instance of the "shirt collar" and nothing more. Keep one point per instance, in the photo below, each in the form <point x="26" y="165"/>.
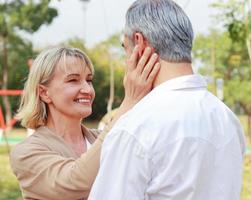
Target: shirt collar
<point x="184" y="82"/>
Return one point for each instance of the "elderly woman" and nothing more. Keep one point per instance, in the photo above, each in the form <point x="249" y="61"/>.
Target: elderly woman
<point x="61" y="159"/>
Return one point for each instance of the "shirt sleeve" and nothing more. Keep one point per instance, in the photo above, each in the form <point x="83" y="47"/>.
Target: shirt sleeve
<point x="125" y="169"/>
<point x="45" y="174"/>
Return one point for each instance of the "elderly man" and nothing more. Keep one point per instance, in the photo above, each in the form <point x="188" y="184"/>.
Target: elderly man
<point x="179" y="142"/>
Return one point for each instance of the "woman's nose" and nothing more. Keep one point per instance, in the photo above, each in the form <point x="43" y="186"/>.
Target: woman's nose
<point x="86" y="87"/>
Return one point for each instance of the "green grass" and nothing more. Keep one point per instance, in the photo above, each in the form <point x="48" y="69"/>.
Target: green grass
<point x="9" y="189"/>
<point x="246" y="183"/>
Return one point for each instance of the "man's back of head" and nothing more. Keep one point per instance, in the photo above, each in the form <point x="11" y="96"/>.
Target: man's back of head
<point x="164" y="25"/>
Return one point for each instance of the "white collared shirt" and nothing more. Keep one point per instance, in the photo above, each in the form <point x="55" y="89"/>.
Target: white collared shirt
<point x="179" y="142"/>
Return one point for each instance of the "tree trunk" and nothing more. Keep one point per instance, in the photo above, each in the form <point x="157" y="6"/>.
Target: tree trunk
<point x="248" y="43"/>
<point x="246" y="23"/>
<point x="213" y="64"/>
<point x="6" y="141"/>
<point x="111" y="98"/>
<point x="249" y="128"/>
<point x="6" y="102"/>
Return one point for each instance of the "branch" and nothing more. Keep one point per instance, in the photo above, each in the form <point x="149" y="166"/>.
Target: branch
<point x="248" y="43"/>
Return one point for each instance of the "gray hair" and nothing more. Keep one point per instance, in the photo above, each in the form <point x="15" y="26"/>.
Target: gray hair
<point x="165" y="25"/>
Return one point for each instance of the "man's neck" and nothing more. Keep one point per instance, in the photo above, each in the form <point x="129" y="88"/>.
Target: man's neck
<point x="172" y="70"/>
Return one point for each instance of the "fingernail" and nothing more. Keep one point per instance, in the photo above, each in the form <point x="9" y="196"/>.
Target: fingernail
<point x="148" y="49"/>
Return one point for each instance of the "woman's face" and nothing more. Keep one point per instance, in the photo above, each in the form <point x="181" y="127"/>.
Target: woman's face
<point x="70" y="91"/>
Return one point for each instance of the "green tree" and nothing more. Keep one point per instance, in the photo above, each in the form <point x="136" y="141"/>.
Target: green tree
<point x="236" y="16"/>
<point x="212" y="51"/>
<point x="18" y="16"/>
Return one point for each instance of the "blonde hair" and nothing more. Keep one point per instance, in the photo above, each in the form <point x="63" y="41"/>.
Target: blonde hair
<point x="32" y="110"/>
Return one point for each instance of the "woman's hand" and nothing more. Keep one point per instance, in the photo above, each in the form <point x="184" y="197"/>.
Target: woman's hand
<point x="138" y="80"/>
<point x="139" y="76"/>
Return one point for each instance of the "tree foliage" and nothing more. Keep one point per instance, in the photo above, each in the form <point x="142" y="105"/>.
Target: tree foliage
<point x="18" y="16"/>
<point x="24" y="15"/>
<point x="236" y="16"/>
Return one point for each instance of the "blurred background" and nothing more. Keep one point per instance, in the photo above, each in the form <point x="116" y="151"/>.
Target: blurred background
<point x="221" y="52"/>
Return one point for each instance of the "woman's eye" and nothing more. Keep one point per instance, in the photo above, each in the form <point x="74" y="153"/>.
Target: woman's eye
<point x="72" y="80"/>
<point x="89" y="81"/>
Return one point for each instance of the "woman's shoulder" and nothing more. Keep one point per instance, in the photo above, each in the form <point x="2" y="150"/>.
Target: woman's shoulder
<point x="40" y="141"/>
<point x="90" y="134"/>
<point x="32" y="142"/>
<point x="39" y="137"/>
<point x="94" y="132"/>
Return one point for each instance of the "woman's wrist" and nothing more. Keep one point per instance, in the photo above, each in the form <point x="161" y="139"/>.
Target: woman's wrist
<point x="127" y="104"/>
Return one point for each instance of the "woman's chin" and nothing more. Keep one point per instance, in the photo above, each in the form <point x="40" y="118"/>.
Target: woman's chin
<point x="80" y="114"/>
<point x="86" y="114"/>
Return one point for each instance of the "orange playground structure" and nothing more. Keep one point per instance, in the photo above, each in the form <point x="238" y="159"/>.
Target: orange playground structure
<point x="3" y="123"/>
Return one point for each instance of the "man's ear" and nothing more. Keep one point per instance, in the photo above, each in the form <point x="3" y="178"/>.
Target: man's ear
<point x="141" y="42"/>
<point x="43" y="93"/>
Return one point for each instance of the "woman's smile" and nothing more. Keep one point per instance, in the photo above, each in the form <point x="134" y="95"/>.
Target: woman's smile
<point x="84" y="101"/>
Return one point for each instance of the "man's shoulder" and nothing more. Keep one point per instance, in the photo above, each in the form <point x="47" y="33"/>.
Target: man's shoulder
<point x="167" y="111"/>
<point x="145" y="124"/>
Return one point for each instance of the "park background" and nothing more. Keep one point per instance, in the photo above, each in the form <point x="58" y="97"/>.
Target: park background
<point x="221" y="52"/>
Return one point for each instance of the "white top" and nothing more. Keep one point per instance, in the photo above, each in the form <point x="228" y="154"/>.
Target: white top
<point x="180" y="142"/>
<point x="88" y="144"/>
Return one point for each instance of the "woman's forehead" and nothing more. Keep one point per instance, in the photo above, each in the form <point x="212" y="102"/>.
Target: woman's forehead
<point x="71" y="64"/>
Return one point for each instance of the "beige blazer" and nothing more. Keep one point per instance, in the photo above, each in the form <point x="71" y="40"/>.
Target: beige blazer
<point x="48" y="169"/>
